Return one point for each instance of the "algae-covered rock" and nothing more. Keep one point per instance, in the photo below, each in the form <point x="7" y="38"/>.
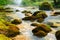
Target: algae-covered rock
<point x="43" y="27"/>
<point x="16" y="21"/>
<point x="57" y="34"/>
<point x="40" y="14"/>
<point x="46" y="6"/>
<point x="40" y="33"/>
<point x="37" y="16"/>
<point x="8" y="29"/>
<point x="40" y="20"/>
<point x="34" y="24"/>
<point x="31" y="18"/>
<point x="2" y="9"/>
<point x="3" y="37"/>
<point x="25" y="11"/>
<point x="41" y="30"/>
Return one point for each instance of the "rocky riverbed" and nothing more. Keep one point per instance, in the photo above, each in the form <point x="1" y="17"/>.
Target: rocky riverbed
<point x="26" y="28"/>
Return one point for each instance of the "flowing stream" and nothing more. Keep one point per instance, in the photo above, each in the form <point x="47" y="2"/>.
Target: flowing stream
<point x="26" y="28"/>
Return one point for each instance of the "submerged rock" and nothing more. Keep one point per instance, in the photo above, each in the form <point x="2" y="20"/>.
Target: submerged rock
<point x="41" y="30"/>
<point x="51" y="24"/>
<point x="16" y="21"/>
<point x="57" y="34"/>
<point x="46" y="6"/>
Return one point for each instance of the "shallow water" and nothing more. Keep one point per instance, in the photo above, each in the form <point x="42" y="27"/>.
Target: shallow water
<point x="26" y="28"/>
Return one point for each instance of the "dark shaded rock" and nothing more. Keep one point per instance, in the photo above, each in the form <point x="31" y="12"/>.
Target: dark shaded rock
<point x="40" y="14"/>
<point x="25" y="11"/>
<point x="40" y="33"/>
<point x="43" y="27"/>
<point x="40" y="20"/>
<point x="41" y="30"/>
<point x="34" y="24"/>
<point x="16" y="21"/>
<point x="2" y="9"/>
<point x="17" y="10"/>
<point x="55" y="13"/>
<point x="31" y="18"/>
<point x="37" y="16"/>
<point x="46" y="6"/>
<point x="57" y="34"/>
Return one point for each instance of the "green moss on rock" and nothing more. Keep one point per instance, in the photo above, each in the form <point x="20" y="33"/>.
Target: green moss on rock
<point x="46" y="6"/>
<point x="8" y="29"/>
<point x="57" y="34"/>
<point x="16" y="21"/>
<point x="41" y="30"/>
<point x="3" y="37"/>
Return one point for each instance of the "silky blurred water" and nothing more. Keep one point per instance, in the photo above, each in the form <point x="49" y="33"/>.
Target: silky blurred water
<point x="26" y="28"/>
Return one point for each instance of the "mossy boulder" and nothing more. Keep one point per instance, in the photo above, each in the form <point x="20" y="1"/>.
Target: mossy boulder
<point x="40" y="33"/>
<point x="41" y="30"/>
<point x="57" y="34"/>
<point x="34" y="24"/>
<point x="31" y="18"/>
<point x="40" y="14"/>
<point x="16" y="21"/>
<point x="37" y="16"/>
<point x="3" y="37"/>
<point x="46" y="6"/>
<point x="40" y="20"/>
<point x="8" y="29"/>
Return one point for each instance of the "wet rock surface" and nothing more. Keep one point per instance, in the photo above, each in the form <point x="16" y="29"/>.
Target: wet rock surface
<point x="16" y="21"/>
<point x="39" y="16"/>
<point x="46" y="6"/>
<point x="57" y="34"/>
<point x="8" y="29"/>
<point x="41" y="30"/>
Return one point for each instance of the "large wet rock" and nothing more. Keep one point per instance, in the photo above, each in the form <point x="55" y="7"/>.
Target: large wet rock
<point x="31" y="18"/>
<point x="3" y="37"/>
<point x="8" y="29"/>
<point x="40" y="33"/>
<point x="46" y="6"/>
<point x="40" y="20"/>
<point x="16" y="21"/>
<point x="41" y="30"/>
<point x="38" y="15"/>
<point x="57" y="34"/>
